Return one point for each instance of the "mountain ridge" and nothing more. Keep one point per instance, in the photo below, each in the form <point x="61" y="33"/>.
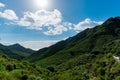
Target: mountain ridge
<point x="21" y="48"/>
<point x="100" y="35"/>
<point x="15" y="51"/>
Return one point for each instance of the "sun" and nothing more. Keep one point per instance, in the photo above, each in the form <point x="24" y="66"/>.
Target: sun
<point x="41" y="3"/>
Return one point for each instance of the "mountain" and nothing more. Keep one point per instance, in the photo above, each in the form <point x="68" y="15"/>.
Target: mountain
<point x="18" y="47"/>
<point x="15" y="51"/>
<point x="89" y="40"/>
<point x="89" y="55"/>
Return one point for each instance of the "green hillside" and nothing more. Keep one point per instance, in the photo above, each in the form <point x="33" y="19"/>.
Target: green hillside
<point x="86" y="56"/>
<point x="87" y="67"/>
<point x="88" y="41"/>
<point x="12" y="69"/>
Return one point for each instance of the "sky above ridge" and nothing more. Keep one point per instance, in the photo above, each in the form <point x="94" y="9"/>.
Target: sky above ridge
<point x="40" y="23"/>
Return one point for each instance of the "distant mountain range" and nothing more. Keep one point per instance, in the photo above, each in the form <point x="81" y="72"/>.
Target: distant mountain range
<point x="18" y="47"/>
<point x="15" y="51"/>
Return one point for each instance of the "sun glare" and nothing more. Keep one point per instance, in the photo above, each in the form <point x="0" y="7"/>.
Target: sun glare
<point x="41" y="3"/>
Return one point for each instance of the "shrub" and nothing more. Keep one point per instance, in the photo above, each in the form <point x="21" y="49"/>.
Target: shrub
<point x="117" y="78"/>
<point x="24" y="77"/>
<point x="51" y="69"/>
<point x="9" y="67"/>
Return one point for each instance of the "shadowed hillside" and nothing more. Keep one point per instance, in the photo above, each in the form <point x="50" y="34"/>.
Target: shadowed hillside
<point x="15" y="51"/>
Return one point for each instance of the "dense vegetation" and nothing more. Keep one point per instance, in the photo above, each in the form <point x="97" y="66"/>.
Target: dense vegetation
<point x="12" y="69"/>
<point x="88" y="67"/>
<point x="93" y="54"/>
<point x="80" y="67"/>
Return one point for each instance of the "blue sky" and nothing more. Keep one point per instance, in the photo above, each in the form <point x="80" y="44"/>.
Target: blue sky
<point x="36" y="24"/>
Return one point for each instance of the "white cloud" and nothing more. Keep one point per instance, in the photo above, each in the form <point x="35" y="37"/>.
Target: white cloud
<point x="41" y="18"/>
<point x="2" y="5"/>
<point x="69" y="25"/>
<point x="56" y="31"/>
<point x="8" y="14"/>
<point x="87" y="23"/>
<point x="49" y="22"/>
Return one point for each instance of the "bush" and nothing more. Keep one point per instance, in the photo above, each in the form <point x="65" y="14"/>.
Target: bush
<point x="9" y="67"/>
<point x="24" y="77"/>
<point x="101" y="71"/>
<point x="117" y="78"/>
<point x="51" y="69"/>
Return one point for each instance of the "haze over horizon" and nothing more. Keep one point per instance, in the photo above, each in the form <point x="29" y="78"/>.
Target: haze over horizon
<point x="40" y="23"/>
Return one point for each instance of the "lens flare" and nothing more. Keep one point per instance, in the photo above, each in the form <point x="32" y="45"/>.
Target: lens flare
<point x="41" y="3"/>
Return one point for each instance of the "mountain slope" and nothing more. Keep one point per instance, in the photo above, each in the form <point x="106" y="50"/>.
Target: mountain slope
<point x="62" y="45"/>
<point x="90" y="55"/>
<point x="18" y="47"/>
<point x="15" y="51"/>
<point x="89" y="40"/>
